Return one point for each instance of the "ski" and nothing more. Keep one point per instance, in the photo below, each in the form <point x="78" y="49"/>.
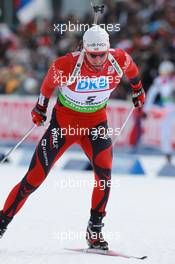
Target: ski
<point x="111" y="253"/>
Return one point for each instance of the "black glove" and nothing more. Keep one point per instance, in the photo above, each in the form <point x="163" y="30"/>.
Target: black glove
<point x="138" y="97"/>
<point x="39" y="111"/>
<point x="39" y="115"/>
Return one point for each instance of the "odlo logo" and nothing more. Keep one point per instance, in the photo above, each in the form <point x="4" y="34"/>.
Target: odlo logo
<point x="55" y="134"/>
<point x="92" y="84"/>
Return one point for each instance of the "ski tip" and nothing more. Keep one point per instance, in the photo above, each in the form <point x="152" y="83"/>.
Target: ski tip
<point x="144" y="257"/>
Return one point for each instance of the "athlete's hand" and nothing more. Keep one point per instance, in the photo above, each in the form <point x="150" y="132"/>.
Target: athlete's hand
<point x="138" y="97"/>
<point x="39" y="115"/>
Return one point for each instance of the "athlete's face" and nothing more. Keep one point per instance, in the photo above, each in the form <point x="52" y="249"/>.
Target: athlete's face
<point x="97" y="59"/>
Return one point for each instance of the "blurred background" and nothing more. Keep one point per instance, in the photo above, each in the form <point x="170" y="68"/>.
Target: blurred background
<point x="140" y="209"/>
<point x="30" y="39"/>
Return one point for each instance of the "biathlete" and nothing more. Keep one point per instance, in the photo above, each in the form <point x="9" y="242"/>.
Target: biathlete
<point x="84" y="80"/>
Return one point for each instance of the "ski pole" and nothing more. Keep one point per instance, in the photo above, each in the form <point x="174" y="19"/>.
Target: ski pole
<point x="18" y="144"/>
<point x="123" y="126"/>
<point x="98" y="8"/>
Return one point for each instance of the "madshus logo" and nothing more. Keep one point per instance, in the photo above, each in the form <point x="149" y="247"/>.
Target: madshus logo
<point x="55" y="134"/>
<point x="101" y="44"/>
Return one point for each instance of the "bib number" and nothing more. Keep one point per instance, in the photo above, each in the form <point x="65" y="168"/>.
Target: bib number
<point x="90" y="99"/>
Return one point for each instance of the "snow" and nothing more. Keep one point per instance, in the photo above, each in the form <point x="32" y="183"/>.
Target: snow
<point x="140" y="219"/>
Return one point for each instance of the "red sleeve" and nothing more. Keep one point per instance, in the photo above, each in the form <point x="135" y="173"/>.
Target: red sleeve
<point x="56" y="75"/>
<point x="129" y="68"/>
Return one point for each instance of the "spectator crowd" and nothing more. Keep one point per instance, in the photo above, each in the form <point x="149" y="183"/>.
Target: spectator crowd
<point x="147" y="32"/>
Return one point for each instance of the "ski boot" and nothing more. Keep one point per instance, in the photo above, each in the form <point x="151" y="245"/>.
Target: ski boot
<point x="4" y="221"/>
<point x="94" y="235"/>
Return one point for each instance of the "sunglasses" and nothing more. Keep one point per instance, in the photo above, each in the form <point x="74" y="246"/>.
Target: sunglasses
<point x="93" y="56"/>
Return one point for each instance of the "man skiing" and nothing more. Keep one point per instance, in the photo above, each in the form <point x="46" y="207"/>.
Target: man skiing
<point x="85" y="81"/>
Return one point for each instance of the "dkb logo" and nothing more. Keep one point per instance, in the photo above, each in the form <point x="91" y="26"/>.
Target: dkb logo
<point x="92" y="84"/>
